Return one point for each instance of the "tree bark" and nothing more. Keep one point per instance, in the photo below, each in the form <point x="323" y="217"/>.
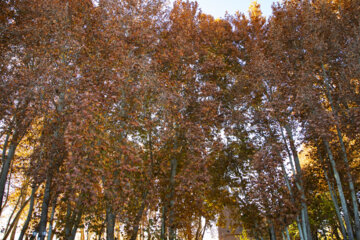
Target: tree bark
<point x="163" y="222"/>
<point x="3" y="156"/>
<point x="76" y="225"/>
<point x="18" y="214"/>
<point x="334" y="199"/>
<point x="14" y="210"/>
<point x="172" y="229"/>
<point x="6" y="168"/>
<point x="351" y="185"/>
<point x="51" y="219"/>
<point x="110" y="223"/>
<point x="299" y="225"/>
<point x="144" y="197"/>
<point x="272" y="232"/>
<point x="138" y="217"/>
<point x="12" y="236"/>
<point x="29" y="216"/>
<point x="68" y="220"/>
<point x="288" y="151"/>
<point x="345" y="158"/>
<point x="305" y="215"/>
<point x="340" y="191"/>
<point x="287" y="233"/>
<point x="45" y="207"/>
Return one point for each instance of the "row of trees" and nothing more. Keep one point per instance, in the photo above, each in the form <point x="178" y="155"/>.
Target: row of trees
<point x="127" y="117"/>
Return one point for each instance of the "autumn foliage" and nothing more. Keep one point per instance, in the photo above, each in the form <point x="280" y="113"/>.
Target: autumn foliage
<point x="135" y="119"/>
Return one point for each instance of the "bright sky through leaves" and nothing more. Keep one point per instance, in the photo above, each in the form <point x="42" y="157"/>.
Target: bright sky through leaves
<point x="217" y="8"/>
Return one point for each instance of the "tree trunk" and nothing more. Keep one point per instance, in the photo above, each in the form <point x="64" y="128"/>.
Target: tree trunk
<point x="163" y="222"/>
<point x="287" y="182"/>
<point x="3" y="156"/>
<point x="305" y="215"/>
<point x="272" y="232"/>
<point x="334" y="199"/>
<point x="68" y="220"/>
<point x="138" y="217"/>
<point x="110" y="223"/>
<point x="299" y="225"/>
<point x="76" y="225"/>
<point x="198" y="230"/>
<point x="12" y="236"/>
<point x="14" y="210"/>
<point x="351" y="184"/>
<point x="29" y="216"/>
<point x="172" y="229"/>
<point x="340" y="191"/>
<point x="51" y="219"/>
<point x="18" y="214"/>
<point x="287" y="233"/>
<point x="144" y="197"/>
<point x="5" y="169"/>
<point x="303" y="218"/>
<point x="345" y="158"/>
<point x="45" y="207"/>
<point x="53" y="233"/>
<point x="288" y="151"/>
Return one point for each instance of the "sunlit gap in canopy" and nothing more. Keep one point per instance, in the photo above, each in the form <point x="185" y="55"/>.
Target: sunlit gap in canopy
<point x="218" y="8"/>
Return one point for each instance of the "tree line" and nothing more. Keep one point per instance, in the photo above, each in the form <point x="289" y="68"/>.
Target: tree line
<point x="141" y="120"/>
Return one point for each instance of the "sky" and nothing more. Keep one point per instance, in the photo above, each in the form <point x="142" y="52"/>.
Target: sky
<point x="217" y="8"/>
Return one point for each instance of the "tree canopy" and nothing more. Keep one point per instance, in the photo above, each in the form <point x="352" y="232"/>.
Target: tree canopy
<point x="135" y="119"/>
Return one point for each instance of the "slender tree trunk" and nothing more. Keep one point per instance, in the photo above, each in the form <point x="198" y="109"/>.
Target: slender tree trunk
<point x="12" y="236"/>
<point x="51" y="219"/>
<point x="138" y="217"/>
<point x="68" y="220"/>
<point x="299" y="225"/>
<point x="172" y="229"/>
<point x="75" y="227"/>
<point x="334" y="199"/>
<point x="14" y="210"/>
<point x="14" y="222"/>
<point x="204" y="230"/>
<point x="29" y="216"/>
<point x="6" y="168"/>
<point x="288" y="151"/>
<point x="303" y="218"/>
<point x="45" y="207"/>
<point x="198" y="229"/>
<point x="163" y="222"/>
<point x="307" y="230"/>
<point x="7" y="190"/>
<point x="53" y="232"/>
<point x="272" y="232"/>
<point x="3" y="156"/>
<point x="287" y="182"/>
<point x="144" y="197"/>
<point x="73" y="218"/>
<point x="287" y="233"/>
<point x="101" y="231"/>
<point x="340" y="191"/>
<point x="345" y="158"/>
<point x="110" y="223"/>
<point x="351" y="185"/>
